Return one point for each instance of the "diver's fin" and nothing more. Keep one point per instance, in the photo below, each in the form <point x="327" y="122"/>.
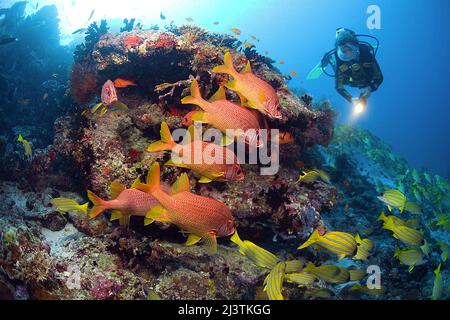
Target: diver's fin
<point x="115" y="189"/>
<point x="158" y="213"/>
<point x="192" y="239"/>
<point x="316" y="72"/>
<point x="181" y="185"/>
<point x="219" y="95"/>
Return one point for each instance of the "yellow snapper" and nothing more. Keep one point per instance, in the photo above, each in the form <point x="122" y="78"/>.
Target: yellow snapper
<point x="259" y="256"/>
<point x="319" y="293"/>
<point x="274" y="282"/>
<point x="301" y="278"/>
<point x="410" y="256"/>
<point x="394" y="199"/>
<point x="64" y="205"/>
<point x="313" y="175"/>
<point x="329" y="273"/>
<point x="365" y="290"/>
<point x="341" y="243"/>
<point x="357" y="274"/>
<point x="445" y="250"/>
<point x="405" y="234"/>
<point x="437" y="285"/>
<point x="364" y="248"/>
<point x="26" y="146"/>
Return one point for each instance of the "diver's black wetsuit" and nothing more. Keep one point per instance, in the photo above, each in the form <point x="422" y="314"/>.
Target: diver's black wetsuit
<point x="360" y="74"/>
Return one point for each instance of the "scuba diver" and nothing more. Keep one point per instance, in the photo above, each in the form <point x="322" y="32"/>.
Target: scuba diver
<point x="354" y="64"/>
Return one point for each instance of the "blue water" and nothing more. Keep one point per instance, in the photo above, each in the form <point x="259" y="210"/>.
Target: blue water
<point x="409" y="111"/>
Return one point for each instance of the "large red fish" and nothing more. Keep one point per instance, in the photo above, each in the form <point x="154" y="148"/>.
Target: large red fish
<point x="225" y="115"/>
<point x="226" y="168"/>
<point x="253" y="91"/>
<point x="124" y="203"/>
<point x="203" y="218"/>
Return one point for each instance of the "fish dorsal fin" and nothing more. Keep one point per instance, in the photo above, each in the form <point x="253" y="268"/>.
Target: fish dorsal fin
<point x="248" y="68"/>
<point x="115" y="189"/>
<point x="192" y="239"/>
<point x="358" y="238"/>
<point x="219" y="95"/>
<point x="20" y="138"/>
<point x="181" y="185"/>
<point x="136" y="183"/>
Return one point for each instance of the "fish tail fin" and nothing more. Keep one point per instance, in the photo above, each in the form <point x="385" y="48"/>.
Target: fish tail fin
<point x="99" y="204"/>
<point x="84" y="208"/>
<point x="153" y="182"/>
<point x="166" y="142"/>
<point x="388" y="225"/>
<point x="195" y="97"/>
<point x="382" y="217"/>
<point x="309" y="267"/>
<point x="227" y="66"/>
<point x="312" y="239"/>
<point x="438" y="270"/>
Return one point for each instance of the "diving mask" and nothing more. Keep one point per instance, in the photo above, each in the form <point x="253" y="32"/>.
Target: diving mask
<point x="348" y="52"/>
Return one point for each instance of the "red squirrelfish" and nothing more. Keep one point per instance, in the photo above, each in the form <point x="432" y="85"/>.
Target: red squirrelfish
<point x="225" y="115"/>
<point x="203" y="218"/>
<point x="221" y="166"/>
<point x="253" y="91"/>
<point x="124" y="203"/>
<point x="123" y="83"/>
